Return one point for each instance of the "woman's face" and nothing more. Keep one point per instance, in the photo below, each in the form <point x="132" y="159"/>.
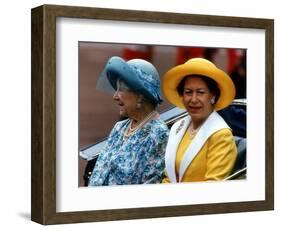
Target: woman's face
<point x="197" y="99"/>
<point x="126" y="99"/>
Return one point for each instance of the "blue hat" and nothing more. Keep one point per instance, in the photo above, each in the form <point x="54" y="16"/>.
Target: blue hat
<point x="140" y="76"/>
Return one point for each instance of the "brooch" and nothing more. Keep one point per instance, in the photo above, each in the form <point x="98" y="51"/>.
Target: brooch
<point x="180" y="126"/>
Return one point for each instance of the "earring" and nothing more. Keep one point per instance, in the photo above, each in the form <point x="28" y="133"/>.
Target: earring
<point x="213" y="100"/>
<point x="139" y="102"/>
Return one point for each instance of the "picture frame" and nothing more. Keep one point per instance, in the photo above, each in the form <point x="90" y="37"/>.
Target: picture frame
<point x="44" y="111"/>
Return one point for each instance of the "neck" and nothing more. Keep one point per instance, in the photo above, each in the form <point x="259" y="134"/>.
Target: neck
<point x="198" y="122"/>
<point x="140" y="116"/>
<point x="142" y="113"/>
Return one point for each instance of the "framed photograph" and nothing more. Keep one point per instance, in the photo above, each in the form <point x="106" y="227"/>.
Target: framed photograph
<point x="71" y="118"/>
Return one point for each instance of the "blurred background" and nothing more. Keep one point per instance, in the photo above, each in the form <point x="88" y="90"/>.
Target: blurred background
<point x="98" y="112"/>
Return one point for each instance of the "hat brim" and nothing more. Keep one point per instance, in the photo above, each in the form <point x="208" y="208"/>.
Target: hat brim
<point x="117" y="68"/>
<point x="202" y="67"/>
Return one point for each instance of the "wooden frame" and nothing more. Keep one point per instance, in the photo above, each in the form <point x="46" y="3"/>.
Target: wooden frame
<point x="43" y="207"/>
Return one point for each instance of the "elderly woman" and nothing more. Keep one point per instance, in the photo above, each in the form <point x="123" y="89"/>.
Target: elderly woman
<point x="201" y="146"/>
<point x="134" y="152"/>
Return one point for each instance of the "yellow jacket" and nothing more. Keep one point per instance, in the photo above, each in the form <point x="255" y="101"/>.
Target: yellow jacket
<point x="214" y="161"/>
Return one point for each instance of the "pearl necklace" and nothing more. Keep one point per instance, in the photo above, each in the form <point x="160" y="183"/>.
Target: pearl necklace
<point x="129" y="130"/>
<point x="192" y="131"/>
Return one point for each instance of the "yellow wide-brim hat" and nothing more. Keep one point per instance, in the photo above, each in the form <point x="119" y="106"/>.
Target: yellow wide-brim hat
<point x="203" y="67"/>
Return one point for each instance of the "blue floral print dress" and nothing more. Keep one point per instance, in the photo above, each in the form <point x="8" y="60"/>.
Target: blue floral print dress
<point x="138" y="159"/>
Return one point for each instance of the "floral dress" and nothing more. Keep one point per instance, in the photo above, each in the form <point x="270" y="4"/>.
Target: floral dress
<point x="136" y="160"/>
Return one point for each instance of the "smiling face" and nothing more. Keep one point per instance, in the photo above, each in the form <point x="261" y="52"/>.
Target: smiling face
<point x="126" y="99"/>
<point x="197" y="99"/>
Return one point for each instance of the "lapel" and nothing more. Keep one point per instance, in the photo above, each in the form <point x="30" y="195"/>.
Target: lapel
<point x="175" y="136"/>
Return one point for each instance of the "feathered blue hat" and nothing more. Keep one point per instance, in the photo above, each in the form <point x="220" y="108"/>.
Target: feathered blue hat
<point x="140" y="76"/>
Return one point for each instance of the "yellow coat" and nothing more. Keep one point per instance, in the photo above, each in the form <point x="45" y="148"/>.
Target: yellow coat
<point x="214" y="161"/>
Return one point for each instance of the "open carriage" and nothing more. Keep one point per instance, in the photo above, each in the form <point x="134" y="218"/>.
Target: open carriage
<point x="234" y="115"/>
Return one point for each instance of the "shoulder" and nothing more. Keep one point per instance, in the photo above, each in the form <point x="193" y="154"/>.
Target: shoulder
<point x="157" y="129"/>
<point x="117" y="128"/>
<point x="222" y="134"/>
<point x="120" y="124"/>
<point x="158" y="124"/>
